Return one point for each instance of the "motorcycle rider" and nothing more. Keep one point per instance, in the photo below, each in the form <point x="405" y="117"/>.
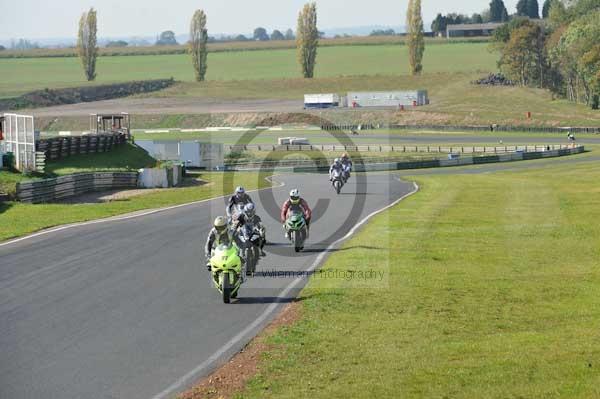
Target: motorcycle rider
<point x="347" y="164"/>
<point x="219" y="235"/>
<point x="336" y="166"/>
<point x="240" y="197"/>
<point x="249" y="216"/>
<point x="295" y="203"/>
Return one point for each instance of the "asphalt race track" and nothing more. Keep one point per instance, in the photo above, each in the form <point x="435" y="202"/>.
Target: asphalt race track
<point x="124" y="309"/>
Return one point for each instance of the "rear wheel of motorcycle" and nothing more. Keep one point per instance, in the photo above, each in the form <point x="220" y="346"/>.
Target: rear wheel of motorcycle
<point x="226" y="288"/>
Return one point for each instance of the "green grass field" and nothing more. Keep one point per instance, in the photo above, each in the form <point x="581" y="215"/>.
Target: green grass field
<point x="22" y="75"/>
<point x="492" y="285"/>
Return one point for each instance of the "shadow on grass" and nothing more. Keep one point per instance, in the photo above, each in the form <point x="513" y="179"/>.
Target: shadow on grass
<point x="4" y="206"/>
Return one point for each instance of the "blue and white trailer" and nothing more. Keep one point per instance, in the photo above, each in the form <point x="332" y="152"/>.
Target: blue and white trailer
<point x="319" y="101"/>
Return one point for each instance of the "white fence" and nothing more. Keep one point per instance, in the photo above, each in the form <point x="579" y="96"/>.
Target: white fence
<point x="20" y="140"/>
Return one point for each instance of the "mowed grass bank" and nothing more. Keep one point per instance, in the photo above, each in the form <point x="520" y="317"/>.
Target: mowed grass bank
<point x="493" y="292"/>
<point x="17" y="219"/>
<point x="23" y="75"/>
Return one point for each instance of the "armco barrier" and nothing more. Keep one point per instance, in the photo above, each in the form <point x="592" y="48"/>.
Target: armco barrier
<point x="439" y="163"/>
<point x="49" y="190"/>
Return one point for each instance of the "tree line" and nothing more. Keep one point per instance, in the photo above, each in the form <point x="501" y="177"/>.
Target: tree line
<point x="562" y="55"/>
<point x="496" y="12"/>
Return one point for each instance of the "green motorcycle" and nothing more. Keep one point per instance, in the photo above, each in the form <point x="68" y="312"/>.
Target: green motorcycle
<point x="226" y="269"/>
<point x="297" y="230"/>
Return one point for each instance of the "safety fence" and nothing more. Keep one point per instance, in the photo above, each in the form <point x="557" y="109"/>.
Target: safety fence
<point x="463" y="128"/>
<point x="378" y="164"/>
<point x="394" y="148"/>
<point x="458" y="161"/>
<point x="62" y="187"/>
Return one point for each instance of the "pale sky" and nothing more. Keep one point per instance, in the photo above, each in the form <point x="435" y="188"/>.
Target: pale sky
<point x="37" y="19"/>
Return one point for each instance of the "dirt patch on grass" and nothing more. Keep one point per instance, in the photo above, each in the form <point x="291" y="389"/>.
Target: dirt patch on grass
<point x="231" y="378"/>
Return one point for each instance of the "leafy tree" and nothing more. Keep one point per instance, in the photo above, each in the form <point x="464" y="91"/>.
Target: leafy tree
<point x="240" y="38"/>
<point x="261" y="34"/>
<point x="2" y="48"/>
<point x="502" y="34"/>
<point x="277" y="35"/>
<point x="505" y="17"/>
<point x="523" y="58"/>
<point x="117" y="43"/>
<point x="498" y="12"/>
<point x="577" y="57"/>
<point x="415" y="36"/>
<point x="558" y="14"/>
<point x="23" y="44"/>
<point x="382" y="32"/>
<point x="546" y="8"/>
<point x="167" y="38"/>
<point x="197" y="44"/>
<point x="87" y="44"/>
<point x="307" y="40"/>
<point x="485" y="16"/>
<point x="476" y="19"/>
<point x="289" y="35"/>
<point x="533" y="9"/>
<point x="439" y="24"/>
<point x="522" y="9"/>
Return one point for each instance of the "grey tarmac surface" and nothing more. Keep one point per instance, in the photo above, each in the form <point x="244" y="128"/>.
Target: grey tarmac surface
<point x="124" y="309"/>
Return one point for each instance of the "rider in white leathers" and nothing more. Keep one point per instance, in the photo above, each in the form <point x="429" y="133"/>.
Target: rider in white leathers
<point x="336" y="166"/>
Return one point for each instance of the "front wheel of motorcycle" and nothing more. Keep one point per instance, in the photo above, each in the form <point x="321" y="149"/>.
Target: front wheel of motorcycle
<point x="226" y="288"/>
<point x="297" y="240"/>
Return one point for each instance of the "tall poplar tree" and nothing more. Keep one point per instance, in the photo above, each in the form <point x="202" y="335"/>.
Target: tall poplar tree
<point x="307" y="39"/>
<point x="197" y="44"/>
<point x="415" y="36"/>
<point x="86" y="43"/>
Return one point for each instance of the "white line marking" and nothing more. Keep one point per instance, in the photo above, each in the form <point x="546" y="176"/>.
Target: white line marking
<point x="186" y="379"/>
<point x="121" y="218"/>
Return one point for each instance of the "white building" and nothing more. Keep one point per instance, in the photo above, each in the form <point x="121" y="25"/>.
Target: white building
<point x="388" y="98"/>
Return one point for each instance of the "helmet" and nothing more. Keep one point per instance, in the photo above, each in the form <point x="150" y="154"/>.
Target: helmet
<point x="220" y="224"/>
<point x="345" y="155"/>
<point x="337" y="161"/>
<point x="240" y="190"/>
<point x="250" y="210"/>
<point x="295" y="196"/>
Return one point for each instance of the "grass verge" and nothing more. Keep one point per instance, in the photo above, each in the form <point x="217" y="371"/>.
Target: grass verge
<point x="122" y="158"/>
<point x="493" y="283"/>
<point x="17" y="219"/>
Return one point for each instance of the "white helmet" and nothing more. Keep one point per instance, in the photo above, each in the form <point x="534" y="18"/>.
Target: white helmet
<point x="220" y="224"/>
<point x="295" y="196"/>
<point x="337" y="161"/>
<point x="250" y="210"/>
<point x="240" y="190"/>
